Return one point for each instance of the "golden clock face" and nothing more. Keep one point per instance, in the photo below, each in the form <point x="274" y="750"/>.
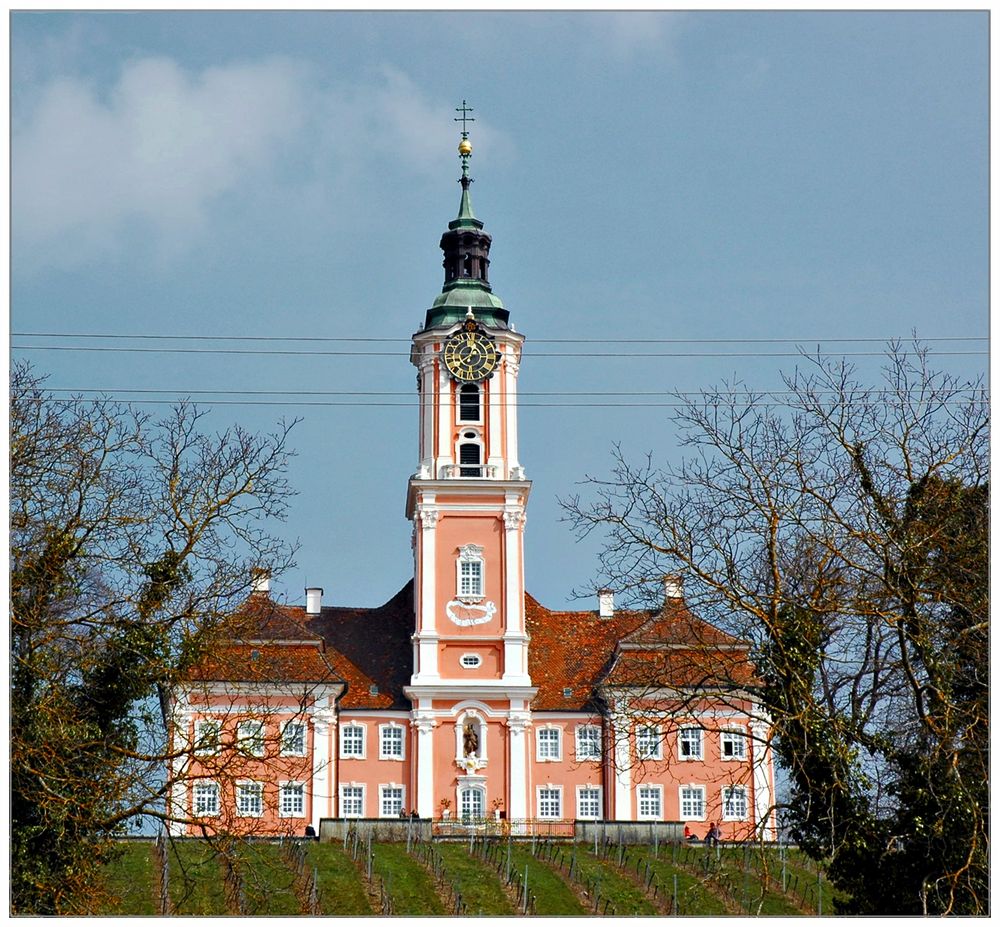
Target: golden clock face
<point x="470" y="356"/>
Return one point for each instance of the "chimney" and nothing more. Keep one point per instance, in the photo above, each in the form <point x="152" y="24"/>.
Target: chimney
<point x="606" y="603"/>
<point x="260" y="581"/>
<point x="314" y="600"/>
<point x="673" y="587"/>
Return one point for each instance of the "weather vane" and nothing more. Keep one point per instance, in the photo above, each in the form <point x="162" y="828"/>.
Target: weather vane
<point x="464" y="118"/>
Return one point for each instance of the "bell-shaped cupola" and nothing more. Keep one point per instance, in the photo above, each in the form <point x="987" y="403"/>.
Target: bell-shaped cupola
<point x="466" y="263"/>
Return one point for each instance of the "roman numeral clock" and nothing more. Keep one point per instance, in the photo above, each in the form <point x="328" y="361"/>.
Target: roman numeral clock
<point x="470" y="355"/>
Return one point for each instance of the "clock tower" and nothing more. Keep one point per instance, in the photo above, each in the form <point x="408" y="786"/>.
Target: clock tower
<point x="470" y="689"/>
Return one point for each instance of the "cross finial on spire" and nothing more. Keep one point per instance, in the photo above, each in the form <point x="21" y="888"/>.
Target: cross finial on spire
<point x="464" y="118"/>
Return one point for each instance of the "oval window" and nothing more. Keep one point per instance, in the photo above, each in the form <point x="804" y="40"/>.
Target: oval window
<point x="471" y="660"/>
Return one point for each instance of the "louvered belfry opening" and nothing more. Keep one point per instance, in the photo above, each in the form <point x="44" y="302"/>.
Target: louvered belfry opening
<point x="468" y="457"/>
<point x="468" y="403"/>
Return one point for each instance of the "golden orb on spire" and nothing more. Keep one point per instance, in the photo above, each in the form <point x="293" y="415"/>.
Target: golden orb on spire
<point x="465" y="147"/>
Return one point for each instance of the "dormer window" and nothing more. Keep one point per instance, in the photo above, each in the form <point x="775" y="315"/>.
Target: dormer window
<point x="469" y="403"/>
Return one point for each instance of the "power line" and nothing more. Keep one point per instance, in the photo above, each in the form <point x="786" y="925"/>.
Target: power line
<point x="573" y="354"/>
<point x="697" y="393"/>
<point x="324" y="339"/>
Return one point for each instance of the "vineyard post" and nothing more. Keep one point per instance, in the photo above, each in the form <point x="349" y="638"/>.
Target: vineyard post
<point x="819" y="892"/>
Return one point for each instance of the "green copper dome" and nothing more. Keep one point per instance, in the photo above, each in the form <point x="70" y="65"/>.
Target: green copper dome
<point x="466" y="264"/>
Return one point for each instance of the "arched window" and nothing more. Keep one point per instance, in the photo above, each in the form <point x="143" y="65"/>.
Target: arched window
<point x="468" y="403"/>
<point x="468" y="457"/>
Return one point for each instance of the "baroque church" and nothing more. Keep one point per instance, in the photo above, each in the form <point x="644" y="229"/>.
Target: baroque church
<point x="462" y="699"/>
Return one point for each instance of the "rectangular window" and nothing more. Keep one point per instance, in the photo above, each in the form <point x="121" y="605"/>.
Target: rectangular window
<point x="206" y="737"/>
<point x="734" y="745"/>
<point x="206" y="799"/>
<point x="391" y="743"/>
<point x="550" y="803"/>
<point x="693" y="802"/>
<point x="472" y="803"/>
<point x="352" y="741"/>
<point x="648" y="743"/>
<point x="468" y="403"/>
<point x="293" y="739"/>
<point x="249" y="799"/>
<point x="588" y="743"/>
<point x="250" y="737"/>
<point x="549" y="743"/>
<point x="689" y="743"/>
<point x="392" y="801"/>
<point x="588" y="802"/>
<point x="734" y="803"/>
<point x="352" y="801"/>
<point x="650" y="802"/>
<point x="470" y="577"/>
<point x="292" y="800"/>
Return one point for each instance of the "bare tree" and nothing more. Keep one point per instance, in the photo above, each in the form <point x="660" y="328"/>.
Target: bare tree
<point x="131" y="540"/>
<point x="842" y="532"/>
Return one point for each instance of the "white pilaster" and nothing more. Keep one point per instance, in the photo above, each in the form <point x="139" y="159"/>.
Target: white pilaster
<point x="427" y="636"/>
<point x="495" y="419"/>
<point x="511" y="368"/>
<point x="515" y="640"/>
<point x="324" y="785"/>
<point x="621" y="730"/>
<point x="180" y="744"/>
<point x="517" y="726"/>
<point x="445" y="450"/>
<point x="425" y="725"/>
<point x="760" y="751"/>
<point x="427" y="385"/>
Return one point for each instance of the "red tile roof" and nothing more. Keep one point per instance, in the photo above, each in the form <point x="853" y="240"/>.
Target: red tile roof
<point x="570" y="654"/>
<point x="265" y="663"/>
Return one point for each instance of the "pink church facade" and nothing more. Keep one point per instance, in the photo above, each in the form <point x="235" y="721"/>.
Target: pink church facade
<point x="462" y="699"/>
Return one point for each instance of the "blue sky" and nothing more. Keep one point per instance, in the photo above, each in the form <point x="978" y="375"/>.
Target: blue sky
<point x="727" y="175"/>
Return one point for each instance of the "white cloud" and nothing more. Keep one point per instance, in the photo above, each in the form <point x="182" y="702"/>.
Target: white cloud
<point x="162" y="154"/>
<point x="636" y="31"/>
<point x="164" y="144"/>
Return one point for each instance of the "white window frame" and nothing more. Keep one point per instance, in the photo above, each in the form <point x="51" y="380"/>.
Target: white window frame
<point x="249" y="788"/>
<point x="582" y="732"/>
<point x="353" y="786"/>
<point x="652" y="791"/>
<point x="681" y="800"/>
<point x="642" y="750"/>
<point x="470" y="554"/>
<point x="470" y="656"/>
<point x="246" y="740"/>
<point x="206" y="786"/>
<point x="580" y="814"/>
<point x="381" y="799"/>
<point x="383" y="730"/>
<point x="480" y="396"/>
<point x="543" y="756"/>
<point x="731" y="790"/>
<point x="198" y="737"/>
<point x="737" y="740"/>
<point x="684" y="735"/>
<point x="291" y="789"/>
<point x="301" y="725"/>
<point x="464" y="790"/>
<point x="344" y="728"/>
<point x="556" y="790"/>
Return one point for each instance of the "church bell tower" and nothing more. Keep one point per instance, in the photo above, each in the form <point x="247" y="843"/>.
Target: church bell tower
<point x="470" y="687"/>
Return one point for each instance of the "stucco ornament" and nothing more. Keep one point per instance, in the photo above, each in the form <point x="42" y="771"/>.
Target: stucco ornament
<point x="471" y="764"/>
<point x="465" y="614"/>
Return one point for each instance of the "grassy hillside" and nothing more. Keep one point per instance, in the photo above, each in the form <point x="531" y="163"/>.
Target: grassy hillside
<point x="485" y="877"/>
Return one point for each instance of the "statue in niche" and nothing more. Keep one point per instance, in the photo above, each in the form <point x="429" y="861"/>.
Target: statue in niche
<point x="470" y="740"/>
